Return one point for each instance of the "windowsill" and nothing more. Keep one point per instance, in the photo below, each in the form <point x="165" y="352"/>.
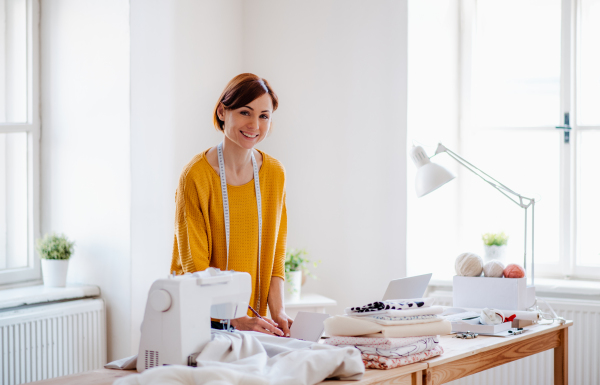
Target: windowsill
<point x="549" y="287"/>
<point x="32" y="295"/>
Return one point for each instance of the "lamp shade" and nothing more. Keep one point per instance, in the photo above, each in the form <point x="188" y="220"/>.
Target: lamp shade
<point x="430" y="176"/>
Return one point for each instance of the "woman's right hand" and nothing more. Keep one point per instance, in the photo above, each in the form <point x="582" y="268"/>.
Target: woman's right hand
<point x="256" y="324"/>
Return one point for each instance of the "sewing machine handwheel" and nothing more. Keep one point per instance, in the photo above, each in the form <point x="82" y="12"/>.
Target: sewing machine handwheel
<point x="160" y="300"/>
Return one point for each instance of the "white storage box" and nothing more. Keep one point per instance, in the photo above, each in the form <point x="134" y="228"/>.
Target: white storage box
<point x="493" y="293"/>
<point x="481" y="329"/>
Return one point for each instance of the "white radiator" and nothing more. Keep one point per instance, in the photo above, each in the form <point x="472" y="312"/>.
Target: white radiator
<point x="52" y="340"/>
<point x="584" y="341"/>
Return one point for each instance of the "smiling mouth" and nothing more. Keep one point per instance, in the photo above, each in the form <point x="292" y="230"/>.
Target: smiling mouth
<point x="248" y="135"/>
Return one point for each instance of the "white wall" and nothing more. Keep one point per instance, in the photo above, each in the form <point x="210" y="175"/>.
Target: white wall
<point x="339" y="68"/>
<point x="433" y="96"/>
<point x="182" y="55"/>
<point x="85" y="159"/>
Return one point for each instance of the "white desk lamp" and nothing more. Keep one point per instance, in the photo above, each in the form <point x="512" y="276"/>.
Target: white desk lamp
<point x="431" y="176"/>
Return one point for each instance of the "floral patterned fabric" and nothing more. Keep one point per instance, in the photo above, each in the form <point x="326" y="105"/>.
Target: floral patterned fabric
<point x="382" y="343"/>
<point x="382" y="306"/>
<point x="428" y="310"/>
<point x="423" y="345"/>
<point x="379" y="362"/>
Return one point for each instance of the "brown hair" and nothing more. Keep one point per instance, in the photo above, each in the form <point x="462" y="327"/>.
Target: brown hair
<point x="240" y="91"/>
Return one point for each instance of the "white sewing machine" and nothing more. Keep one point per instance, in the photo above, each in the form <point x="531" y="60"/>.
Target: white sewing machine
<point x="178" y="311"/>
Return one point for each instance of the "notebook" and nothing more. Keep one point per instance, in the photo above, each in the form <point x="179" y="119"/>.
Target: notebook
<point x="308" y="326"/>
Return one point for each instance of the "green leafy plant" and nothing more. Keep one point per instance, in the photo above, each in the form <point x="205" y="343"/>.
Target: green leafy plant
<point x="53" y="246"/>
<point x="495" y="239"/>
<point x="296" y="260"/>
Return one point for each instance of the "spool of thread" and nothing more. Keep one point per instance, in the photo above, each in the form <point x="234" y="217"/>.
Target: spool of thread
<point x="493" y="269"/>
<point x="491" y="317"/>
<point x="514" y="271"/>
<point x="468" y="265"/>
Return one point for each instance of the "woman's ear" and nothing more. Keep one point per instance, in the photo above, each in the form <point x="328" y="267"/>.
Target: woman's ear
<point x="221" y="112"/>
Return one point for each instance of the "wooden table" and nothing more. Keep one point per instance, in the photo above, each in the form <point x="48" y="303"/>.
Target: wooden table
<point x="461" y="358"/>
<point x="406" y="375"/>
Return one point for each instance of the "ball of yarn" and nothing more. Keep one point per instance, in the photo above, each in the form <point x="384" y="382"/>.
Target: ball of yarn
<point x="514" y="271"/>
<point x="468" y="265"/>
<point x="493" y="269"/>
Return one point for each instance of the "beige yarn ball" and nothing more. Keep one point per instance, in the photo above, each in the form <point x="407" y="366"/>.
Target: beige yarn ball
<point x="493" y="269"/>
<point x="468" y="265"/>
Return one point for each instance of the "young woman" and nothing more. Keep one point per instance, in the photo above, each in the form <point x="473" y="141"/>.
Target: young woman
<point x="251" y="185"/>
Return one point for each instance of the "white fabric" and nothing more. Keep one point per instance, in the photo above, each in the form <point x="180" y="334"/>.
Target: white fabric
<point x="389" y="321"/>
<point x="355" y="326"/>
<point x="255" y="358"/>
<point x="388" y="318"/>
<point x="127" y="363"/>
<point x="402" y="313"/>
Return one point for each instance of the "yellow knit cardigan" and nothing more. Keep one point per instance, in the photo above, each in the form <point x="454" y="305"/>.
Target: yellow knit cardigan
<point x="200" y="227"/>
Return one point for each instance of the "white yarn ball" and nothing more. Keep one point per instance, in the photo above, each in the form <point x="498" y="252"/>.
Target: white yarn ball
<point x="494" y="269"/>
<point x="468" y="265"/>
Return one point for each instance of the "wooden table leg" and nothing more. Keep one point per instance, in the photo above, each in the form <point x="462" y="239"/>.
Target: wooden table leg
<point x="427" y="378"/>
<point x="561" y="359"/>
<point x="417" y="378"/>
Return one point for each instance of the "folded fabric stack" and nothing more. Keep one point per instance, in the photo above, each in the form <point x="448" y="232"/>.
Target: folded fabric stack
<point x="390" y="333"/>
<point x="389" y="353"/>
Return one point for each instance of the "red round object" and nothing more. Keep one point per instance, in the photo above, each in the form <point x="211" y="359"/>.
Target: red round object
<point x="514" y="271"/>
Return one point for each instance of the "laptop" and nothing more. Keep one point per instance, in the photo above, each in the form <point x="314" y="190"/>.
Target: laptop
<point x="407" y="288"/>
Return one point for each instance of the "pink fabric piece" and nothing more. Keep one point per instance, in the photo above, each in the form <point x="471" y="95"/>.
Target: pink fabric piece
<point x="384" y="343"/>
<point x="378" y="362"/>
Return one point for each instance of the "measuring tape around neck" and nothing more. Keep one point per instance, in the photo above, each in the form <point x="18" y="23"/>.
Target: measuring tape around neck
<point x="226" y="208"/>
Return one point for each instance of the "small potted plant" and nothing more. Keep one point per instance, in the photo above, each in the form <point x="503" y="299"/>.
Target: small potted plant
<point x="495" y="246"/>
<point x="55" y="251"/>
<point x="296" y="271"/>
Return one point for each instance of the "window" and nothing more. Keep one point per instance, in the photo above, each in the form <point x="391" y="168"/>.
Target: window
<point x="19" y="140"/>
<point x="523" y="68"/>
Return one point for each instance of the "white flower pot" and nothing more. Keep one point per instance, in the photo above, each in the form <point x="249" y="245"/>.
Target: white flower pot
<point x="495" y="252"/>
<point x="292" y="286"/>
<point x="54" y="272"/>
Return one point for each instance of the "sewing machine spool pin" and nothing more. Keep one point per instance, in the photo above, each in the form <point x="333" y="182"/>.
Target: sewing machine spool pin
<point x="228" y="322"/>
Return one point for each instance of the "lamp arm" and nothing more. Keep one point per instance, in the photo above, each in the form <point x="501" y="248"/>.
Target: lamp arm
<point x="475" y="170"/>
<point x="522" y="201"/>
<point x="465" y="162"/>
<point x="487" y="178"/>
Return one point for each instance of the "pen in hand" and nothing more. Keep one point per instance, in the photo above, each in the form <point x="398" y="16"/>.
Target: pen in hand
<point x="255" y="312"/>
<point x="258" y="315"/>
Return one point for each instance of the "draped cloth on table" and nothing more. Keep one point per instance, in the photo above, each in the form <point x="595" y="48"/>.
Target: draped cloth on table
<point x="255" y="358"/>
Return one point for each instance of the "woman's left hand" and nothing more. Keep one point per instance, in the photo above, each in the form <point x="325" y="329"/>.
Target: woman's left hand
<point x="283" y="321"/>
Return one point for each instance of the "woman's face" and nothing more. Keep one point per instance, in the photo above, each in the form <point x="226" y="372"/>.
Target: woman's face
<point x="248" y="125"/>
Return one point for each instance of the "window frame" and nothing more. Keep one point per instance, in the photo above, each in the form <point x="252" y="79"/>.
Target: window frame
<point x="33" y="129"/>
<point x="580" y="271"/>
<point x="567" y="266"/>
